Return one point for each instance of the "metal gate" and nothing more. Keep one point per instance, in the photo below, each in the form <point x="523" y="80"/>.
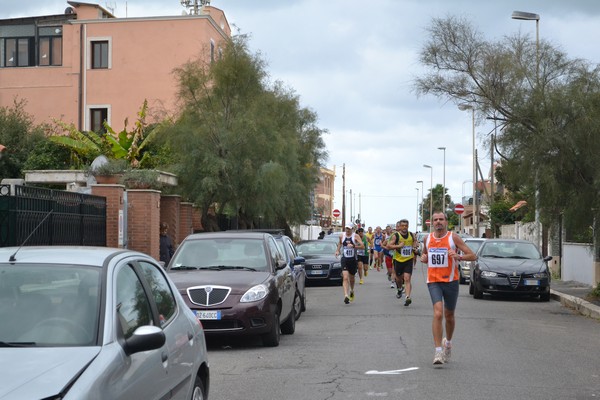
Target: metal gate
<point x="35" y="216"/>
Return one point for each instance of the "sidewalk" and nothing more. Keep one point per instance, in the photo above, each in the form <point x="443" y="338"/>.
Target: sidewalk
<point x="573" y="295"/>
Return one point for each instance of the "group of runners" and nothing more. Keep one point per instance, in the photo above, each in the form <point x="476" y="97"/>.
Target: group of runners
<point x="394" y="249"/>
<point x="397" y="250"/>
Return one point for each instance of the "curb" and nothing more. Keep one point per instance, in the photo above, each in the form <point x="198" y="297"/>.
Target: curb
<point x="581" y="306"/>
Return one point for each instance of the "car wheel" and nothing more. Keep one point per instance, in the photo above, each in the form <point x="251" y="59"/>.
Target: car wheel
<point x="478" y="294"/>
<point x="545" y="296"/>
<point x="471" y="287"/>
<point x="289" y="326"/>
<point x="198" y="392"/>
<point x="271" y="339"/>
<point x="297" y="304"/>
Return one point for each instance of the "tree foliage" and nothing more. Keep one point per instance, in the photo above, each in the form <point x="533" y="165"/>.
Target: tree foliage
<point x="245" y="147"/>
<point x="548" y="115"/>
<point x="20" y="136"/>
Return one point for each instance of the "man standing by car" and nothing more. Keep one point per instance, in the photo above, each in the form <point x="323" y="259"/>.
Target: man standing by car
<point x="405" y="246"/>
<point x="349" y="242"/>
<point x="440" y="254"/>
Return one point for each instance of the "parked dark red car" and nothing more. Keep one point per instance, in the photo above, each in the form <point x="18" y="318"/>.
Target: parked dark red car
<point x="237" y="283"/>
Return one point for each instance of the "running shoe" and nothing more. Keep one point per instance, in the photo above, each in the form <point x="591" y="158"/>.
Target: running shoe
<point x="408" y="301"/>
<point x="346" y="300"/>
<point x="399" y="294"/>
<point x="438" y="359"/>
<point x="447" y="350"/>
<point x="392" y="285"/>
<point x="361" y="282"/>
<point x="351" y="296"/>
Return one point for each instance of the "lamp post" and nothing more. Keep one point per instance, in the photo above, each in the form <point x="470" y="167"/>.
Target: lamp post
<point x="422" y="218"/>
<point x="444" y="182"/>
<point x="417" y="216"/>
<point x="430" y="197"/>
<point x="461" y="201"/>
<point x="464" y="107"/>
<point x="528" y="16"/>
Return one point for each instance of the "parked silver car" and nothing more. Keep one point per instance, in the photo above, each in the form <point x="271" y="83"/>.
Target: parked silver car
<point x="465" y="266"/>
<point x="83" y="322"/>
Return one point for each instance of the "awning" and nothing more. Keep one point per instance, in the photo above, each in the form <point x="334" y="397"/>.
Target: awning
<point x="520" y="204"/>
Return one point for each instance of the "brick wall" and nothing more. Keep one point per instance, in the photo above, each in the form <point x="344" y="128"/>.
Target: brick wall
<point x="114" y="210"/>
<point x="143" y="221"/>
<point x="186" y="225"/>
<point x="197" y="219"/>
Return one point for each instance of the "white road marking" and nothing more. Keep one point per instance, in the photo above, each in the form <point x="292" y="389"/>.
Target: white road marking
<point x="393" y="372"/>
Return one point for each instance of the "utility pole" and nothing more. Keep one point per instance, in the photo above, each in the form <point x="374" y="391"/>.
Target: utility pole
<point x="343" y="195"/>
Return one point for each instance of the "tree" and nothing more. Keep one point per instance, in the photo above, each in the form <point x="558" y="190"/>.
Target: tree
<point x="246" y="148"/>
<point x="547" y="119"/>
<point x="437" y="205"/>
<point x="20" y="136"/>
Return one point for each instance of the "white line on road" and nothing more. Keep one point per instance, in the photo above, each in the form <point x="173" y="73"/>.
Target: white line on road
<point x="393" y="372"/>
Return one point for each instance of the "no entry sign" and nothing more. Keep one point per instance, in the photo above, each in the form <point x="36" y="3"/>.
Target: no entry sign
<point x="336" y="213"/>
<point x="459" y="209"/>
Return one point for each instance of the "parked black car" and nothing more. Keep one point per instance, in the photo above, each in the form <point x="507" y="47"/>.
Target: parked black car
<point x="321" y="263"/>
<point x="236" y="283"/>
<point x="296" y="263"/>
<point x="509" y="266"/>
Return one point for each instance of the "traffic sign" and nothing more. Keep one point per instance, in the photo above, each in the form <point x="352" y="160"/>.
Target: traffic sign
<point x="336" y="213"/>
<point x="427" y="222"/>
<point x="459" y="209"/>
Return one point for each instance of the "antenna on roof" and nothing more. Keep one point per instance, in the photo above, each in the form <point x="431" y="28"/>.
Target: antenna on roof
<point x="193" y="5"/>
<point x="12" y="258"/>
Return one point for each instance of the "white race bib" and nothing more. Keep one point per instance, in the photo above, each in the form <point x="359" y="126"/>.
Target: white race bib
<point x="437" y="257"/>
<point x="406" y="251"/>
<point x="348" y="252"/>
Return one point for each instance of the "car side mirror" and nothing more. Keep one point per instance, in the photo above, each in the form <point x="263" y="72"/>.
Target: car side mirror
<point x="299" y="260"/>
<point x="281" y="264"/>
<point x="145" y="338"/>
<point x="548" y="258"/>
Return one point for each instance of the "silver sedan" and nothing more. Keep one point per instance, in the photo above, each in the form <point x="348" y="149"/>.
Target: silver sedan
<point x="101" y="323"/>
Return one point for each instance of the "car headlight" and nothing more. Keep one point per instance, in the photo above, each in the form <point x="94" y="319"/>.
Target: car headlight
<point x="540" y="275"/>
<point x="255" y="293"/>
<point x="337" y="265"/>
<point x="488" y="274"/>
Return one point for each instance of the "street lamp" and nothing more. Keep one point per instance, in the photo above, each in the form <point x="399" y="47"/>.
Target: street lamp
<point x="422" y="221"/>
<point x="464" y="107"/>
<point x="528" y="16"/>
<point x="444" y="182"/>
<point x="417" y="216"/>
<point x="430" y="198"/>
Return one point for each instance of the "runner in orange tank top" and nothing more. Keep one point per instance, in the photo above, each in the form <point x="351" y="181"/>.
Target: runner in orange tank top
<point x="440" y="254"/>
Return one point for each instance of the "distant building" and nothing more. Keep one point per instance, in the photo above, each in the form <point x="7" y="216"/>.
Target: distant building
<point x="87" y="66"/>
<point x="324" y="197"/>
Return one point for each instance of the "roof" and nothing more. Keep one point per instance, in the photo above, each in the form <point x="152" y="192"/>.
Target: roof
<point x="83" y="255"/>
<point x="519" y="204"/>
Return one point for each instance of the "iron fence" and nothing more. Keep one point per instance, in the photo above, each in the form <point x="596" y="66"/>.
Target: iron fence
<point x="38" y="216"/>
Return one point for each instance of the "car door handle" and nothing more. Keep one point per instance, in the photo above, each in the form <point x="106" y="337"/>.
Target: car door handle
<point x="190" y="335"/>
<point x="164" y="357"/>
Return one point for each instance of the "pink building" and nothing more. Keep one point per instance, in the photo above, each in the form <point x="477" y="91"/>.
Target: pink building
<point x="86" y="65"/>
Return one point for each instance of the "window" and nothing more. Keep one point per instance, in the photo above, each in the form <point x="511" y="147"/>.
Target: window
<point x="97" y="118"/>
<point x="18" y="52"/>
<point x="161" y="291"/>
<point x="133" y="307"/>
<point x="50" y="51"/>
<point x="99" y="54"/>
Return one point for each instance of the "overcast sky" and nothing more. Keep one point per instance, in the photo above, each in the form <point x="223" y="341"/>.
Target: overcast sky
<point x="354" y="63"/>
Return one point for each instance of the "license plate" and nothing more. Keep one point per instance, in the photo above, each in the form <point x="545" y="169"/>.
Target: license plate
<point x="318" y="272"/>
<point x="531" y="282"/>
<point x="208" y="314"/>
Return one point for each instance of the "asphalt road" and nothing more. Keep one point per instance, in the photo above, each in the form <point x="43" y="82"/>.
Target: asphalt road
<point x="377" y="348"/>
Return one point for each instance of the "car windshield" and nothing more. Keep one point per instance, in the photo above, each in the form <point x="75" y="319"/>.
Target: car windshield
<point x="221" y="254"/>
<point x="519" y="250"/>
<point x="474" y="245"/>
<point x="317" y="248"/>
<point x="48" y="305"/>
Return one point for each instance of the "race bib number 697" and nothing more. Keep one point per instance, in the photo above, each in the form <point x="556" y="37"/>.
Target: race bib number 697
<point x="438" y="258"/>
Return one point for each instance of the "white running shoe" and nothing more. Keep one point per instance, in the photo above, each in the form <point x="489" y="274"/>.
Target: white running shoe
<point x="447" y="350"/>
<point x="438" y="359"/>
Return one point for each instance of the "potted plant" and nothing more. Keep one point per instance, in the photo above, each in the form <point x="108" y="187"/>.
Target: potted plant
<point x="141" y="179"/>
<point x="109" y="172"/>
